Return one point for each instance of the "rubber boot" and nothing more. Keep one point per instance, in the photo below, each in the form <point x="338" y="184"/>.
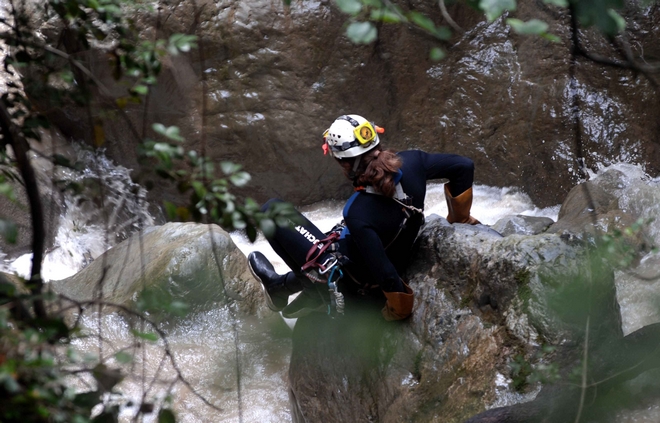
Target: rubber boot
<point x="276" y="287"/>
<point x="399" y="305"/>
<point x="459" y="207"/>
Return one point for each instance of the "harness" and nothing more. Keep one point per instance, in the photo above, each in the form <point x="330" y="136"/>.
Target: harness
<point x="400" y="197"/>
<point x="328" y="272"/>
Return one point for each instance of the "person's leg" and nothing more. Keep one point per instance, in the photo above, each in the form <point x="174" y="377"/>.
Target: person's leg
<point x="292" y="245"/>
<point x="458" y="191"/>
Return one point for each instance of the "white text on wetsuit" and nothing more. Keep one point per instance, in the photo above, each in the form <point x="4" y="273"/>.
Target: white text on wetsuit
<point x="304" y="232"/>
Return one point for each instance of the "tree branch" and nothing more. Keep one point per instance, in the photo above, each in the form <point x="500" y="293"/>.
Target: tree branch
<point x="21" y="147"/>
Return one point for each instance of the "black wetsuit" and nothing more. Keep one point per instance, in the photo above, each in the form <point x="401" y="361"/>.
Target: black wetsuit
<point x="373" y="222"/>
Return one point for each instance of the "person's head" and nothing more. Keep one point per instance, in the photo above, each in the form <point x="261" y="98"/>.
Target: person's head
<point x="353" y="141"/>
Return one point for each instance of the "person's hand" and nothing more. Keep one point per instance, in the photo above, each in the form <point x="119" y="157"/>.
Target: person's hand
<point x="399" y="305"/>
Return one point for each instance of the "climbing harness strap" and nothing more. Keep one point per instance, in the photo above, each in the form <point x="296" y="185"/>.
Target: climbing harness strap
<point x="329" y="271"/>
<point x="400" y="197"/>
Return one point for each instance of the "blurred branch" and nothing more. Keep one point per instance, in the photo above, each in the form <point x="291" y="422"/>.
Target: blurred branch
<point x="20" y="145"/>
<point x="629" y="64"/>
<point x="450" y="21"/>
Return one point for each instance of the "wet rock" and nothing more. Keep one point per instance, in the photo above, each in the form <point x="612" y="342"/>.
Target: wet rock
<point x="611" y="201"/>
<point x="522" y="225"/>
<point x="277" y="76"/>
<point x="481" y="300"/>
<point x="194" y="263"/>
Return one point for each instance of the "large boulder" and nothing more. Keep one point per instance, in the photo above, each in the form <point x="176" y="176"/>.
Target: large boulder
<point x="276" y="76"/>
<point x="486" y="309"/>
<point x="481" y="300"/>
<point x="194" y="263"/>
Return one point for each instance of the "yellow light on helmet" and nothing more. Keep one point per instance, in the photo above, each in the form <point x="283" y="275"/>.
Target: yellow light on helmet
<point x="364" y="133"/>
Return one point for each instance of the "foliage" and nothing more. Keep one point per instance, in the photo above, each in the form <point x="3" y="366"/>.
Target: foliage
<point x="586" y="310"/>
<point x="524" y="372"/>
<point x="36" y="360"/>
<point x="210" y="196"/>
<point x="366" y="15"/>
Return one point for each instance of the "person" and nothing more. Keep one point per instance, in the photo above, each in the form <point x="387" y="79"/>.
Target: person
<point x="368" y="253"/>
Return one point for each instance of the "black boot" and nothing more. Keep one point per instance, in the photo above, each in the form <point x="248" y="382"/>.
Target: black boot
<point x="276" y="287"/>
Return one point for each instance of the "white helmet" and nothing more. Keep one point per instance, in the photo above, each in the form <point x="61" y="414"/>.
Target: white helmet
<point x="350" y="136"/>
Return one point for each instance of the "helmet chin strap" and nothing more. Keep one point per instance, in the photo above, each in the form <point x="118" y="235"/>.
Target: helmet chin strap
<point x="352" y="174"/>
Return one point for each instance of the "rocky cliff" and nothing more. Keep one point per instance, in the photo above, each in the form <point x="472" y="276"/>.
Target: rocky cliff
<point x="268" y="79"/>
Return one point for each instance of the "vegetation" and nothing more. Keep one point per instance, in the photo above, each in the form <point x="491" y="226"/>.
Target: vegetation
<point x="35" y="354"/>
<point x="36" y="359"/>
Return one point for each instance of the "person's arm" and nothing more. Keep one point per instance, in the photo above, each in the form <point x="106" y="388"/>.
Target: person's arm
<point x="458" y="169"/>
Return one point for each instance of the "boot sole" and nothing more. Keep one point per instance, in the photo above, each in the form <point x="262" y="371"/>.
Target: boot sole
<point x="304" y="312"/>
<point x="269" y="301"/>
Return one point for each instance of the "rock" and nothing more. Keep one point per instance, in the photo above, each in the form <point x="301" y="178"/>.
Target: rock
<point x="481" y="300"/>
<point x="194" y="263"/>
<point x="522" y="225"/>
<point x="277" y="76"/>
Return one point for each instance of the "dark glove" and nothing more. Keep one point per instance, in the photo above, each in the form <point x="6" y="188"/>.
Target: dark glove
<point x="399" y="305"/>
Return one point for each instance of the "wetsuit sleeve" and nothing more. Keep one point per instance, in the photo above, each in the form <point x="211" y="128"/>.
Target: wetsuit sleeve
<point x="370" y="246"/>
<point x="458" y="169"/>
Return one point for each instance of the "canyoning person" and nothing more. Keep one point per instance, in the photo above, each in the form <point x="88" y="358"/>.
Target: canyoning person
<point x="369" y="251"/>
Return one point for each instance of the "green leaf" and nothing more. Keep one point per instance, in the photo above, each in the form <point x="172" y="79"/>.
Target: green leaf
<point x="551" y="37"/>
<point x="166" y="415"/>
<point x="9" y="231"/>
<point x="171" y="132"/>
<point x="531" y="27"/>
<point x="8" y="191"/>
<point x="181" y="43"/>
<point x="597" y="12"/>
<point x="199" y="188"/>
<point x="436" y="54"/>
<point x="140" y="89"/>
<point x="148" y="336"/>
<point x="422" y="21"/>
<point x="123" y="357"/>
<point x="618" y="20"/>
<point x="362" y="32"/>
<point x="170" y="210"/>
<point x="351" y="7"/>
<point x="268" y="227"/>
<point x="494" y="8"/>
<point x="237" y="221"/>
<point x="229" y="167"/>
<point x="560" y="3"/>
<point x="387" y="16"/>
<point x="240" y="178"/>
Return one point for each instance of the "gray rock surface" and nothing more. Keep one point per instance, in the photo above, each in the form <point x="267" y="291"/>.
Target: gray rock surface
<point x="480" y="301"/>
<point x="194" y="263"/>
<point x="522" y="225"/>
